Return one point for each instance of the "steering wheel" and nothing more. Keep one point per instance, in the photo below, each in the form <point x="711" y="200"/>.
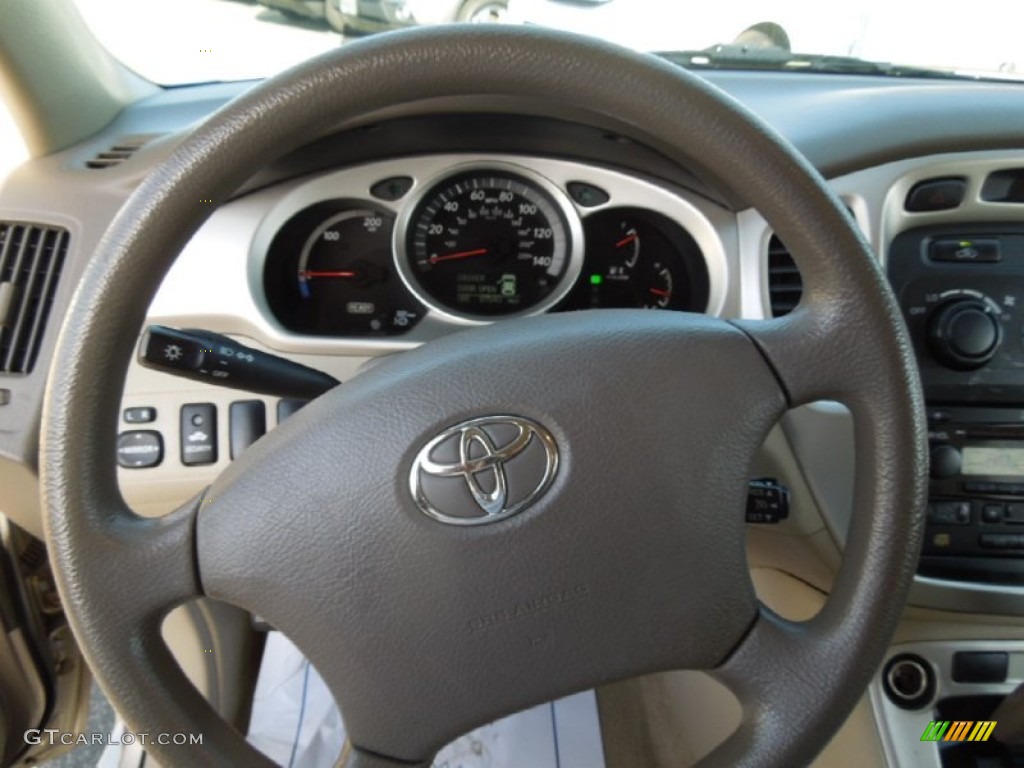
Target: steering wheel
<point x="628" y="559"/>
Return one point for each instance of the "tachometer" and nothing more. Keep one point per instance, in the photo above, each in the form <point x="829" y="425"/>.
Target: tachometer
<point x="488" y="243"/>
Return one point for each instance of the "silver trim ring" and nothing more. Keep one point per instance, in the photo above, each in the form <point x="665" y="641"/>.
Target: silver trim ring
<point x="428" y="187"/>
<point x="490" y="459"/>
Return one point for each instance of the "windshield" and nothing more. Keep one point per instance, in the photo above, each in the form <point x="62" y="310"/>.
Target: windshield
<point x="189" y="41"/>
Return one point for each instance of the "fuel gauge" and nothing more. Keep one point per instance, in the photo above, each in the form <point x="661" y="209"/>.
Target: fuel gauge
<point x="638" y="258"/>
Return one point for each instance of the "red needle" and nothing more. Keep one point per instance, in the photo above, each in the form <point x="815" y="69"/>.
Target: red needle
<point x="459" y="255"/>
<point x="659" y="292"/>
<point x="327" y="273"/>
<point x="625" y="240"/>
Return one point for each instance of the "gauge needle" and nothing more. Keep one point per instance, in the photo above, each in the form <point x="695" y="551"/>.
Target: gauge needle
<point x="625" y="241"/>
<point x="328" y="273"/>
<point x="458" y="255"/>
<point x="659" y="292"/>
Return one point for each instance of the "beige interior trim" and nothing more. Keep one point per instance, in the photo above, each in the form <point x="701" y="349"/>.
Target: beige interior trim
<point x="70" y="93"/>
<point x="673" y="719"/>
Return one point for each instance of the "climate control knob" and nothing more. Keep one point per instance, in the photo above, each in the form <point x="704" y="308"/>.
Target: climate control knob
<point x="964" y="334"/>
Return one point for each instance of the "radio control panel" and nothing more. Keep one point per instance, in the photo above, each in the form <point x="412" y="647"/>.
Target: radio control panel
<point x="961" y="289"/>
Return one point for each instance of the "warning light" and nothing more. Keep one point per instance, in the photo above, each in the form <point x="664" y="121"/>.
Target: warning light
<point x="596" y="279"/>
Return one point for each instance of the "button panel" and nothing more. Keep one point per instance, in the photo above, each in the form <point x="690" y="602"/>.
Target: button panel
<point x="198" y="434"/>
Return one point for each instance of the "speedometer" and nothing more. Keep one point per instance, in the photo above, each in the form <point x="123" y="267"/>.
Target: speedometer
<point x="487" y="243"/>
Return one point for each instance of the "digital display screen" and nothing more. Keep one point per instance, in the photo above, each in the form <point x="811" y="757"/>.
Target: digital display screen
<point x="992" y="462"/>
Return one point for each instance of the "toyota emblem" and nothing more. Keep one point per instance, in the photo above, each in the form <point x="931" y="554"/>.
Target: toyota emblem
<point x="483" y="470"/>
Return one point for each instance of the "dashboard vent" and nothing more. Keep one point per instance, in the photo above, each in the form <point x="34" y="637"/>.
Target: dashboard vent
<point x="784" y="283"/>
<point x="31" y="259"/>
<point x="121" y="150"/>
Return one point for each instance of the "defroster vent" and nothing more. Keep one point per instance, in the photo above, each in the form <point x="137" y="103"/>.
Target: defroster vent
<point x="784" y="283"/>
<point x="119" y="151"/>
<point x="31" y="258"/>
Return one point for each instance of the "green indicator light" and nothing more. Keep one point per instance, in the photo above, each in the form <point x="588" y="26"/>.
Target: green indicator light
<point x="966" y="243"/>
<point x="596" y="279"/>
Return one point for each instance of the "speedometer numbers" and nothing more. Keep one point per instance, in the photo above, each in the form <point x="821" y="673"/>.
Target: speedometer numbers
<point x="482" y="244"/>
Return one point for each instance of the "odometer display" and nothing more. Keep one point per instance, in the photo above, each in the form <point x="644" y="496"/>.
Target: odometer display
<point x="483" y="244"/>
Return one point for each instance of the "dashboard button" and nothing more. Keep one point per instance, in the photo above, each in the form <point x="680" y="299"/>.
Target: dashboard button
<point x="287" y="407"/>
<point x="587" y="195"/>
<point x="980" y="666"/>
<point x="139" y="449"/>
<point x="964" y="334"/>
<point x="992" y="513"/>
<point x="247" y="420"/>
<point x="198" y="434"/>
<point x="143" y="415"/>
<point x="949" y="513"/>
<point x="1015" y="513"/>
<point x="394" y="188"/>
<point x="945" y="461"/>
<point x="1002" y="540"/>
<point x="936" y="194"/>
<point x="975" y="487"/>
<point x="965" y="251"/>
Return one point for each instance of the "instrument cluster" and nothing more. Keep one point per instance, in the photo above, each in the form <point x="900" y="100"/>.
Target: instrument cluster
<point x="474" y="242"/>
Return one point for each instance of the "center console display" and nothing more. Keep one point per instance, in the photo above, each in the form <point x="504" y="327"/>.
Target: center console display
<point x="988" y="461"/>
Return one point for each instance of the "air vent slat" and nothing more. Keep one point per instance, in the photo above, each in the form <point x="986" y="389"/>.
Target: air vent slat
<point x="13" y="319"/>
<point x="6" y="249"/>
<point x="122" y="149"/>
<point x="784" y="284"/>
<point x="31" y="260"/>
<point x="53" y="263"/>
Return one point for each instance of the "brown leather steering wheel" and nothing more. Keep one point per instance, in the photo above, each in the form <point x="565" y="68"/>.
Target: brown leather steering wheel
<point x="643" y="522"/>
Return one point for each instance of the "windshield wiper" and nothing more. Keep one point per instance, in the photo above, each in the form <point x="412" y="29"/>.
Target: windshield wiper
<point x="779" y="59"/>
